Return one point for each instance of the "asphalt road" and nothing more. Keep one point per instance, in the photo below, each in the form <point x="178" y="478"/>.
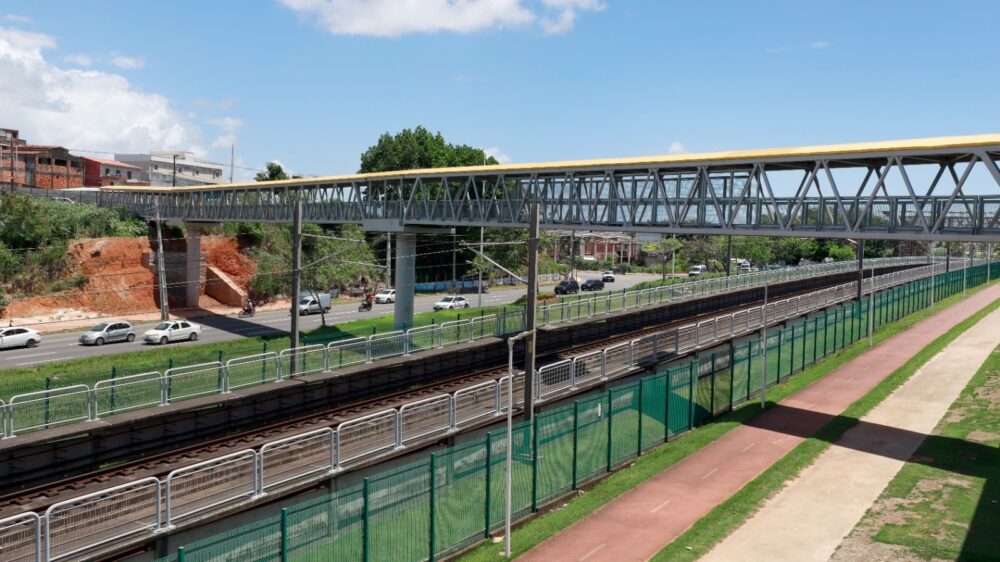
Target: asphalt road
<point x="218" y="328"/>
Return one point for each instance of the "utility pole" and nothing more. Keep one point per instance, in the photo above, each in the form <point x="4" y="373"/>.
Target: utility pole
<point x="529" y="344"/>
<point x="173" y="182"/>
<point x="729" y="256"/>
<point x="161" y="271"/>
<point x="481" y="229"/>
<point x="296" y="279"/>
<point x="572" y="254"/>
<point x="861" y="265"/>
<point x="454" y="254"/>
<point x="232" y="161"/>
<point x="388" y="259"/>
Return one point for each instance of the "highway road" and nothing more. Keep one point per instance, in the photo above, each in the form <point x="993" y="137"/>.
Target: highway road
<point x="219" y="328"/>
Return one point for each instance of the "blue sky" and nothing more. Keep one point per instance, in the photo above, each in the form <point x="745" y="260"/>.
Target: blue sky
<point x="312" y="83"/>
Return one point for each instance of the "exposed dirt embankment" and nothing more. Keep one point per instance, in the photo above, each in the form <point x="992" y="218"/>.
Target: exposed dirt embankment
<point x="121" y="278"/>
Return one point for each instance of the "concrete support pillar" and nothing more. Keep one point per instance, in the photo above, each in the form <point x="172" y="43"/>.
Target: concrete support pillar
<point x="406" y="264"/>
<point x="192" y="275"/>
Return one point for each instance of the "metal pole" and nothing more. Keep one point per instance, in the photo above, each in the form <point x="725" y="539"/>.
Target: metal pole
<point x="572" y="254"/>
<point x="480" y="288"/>
<point x="673" y="258"/>
<point x="454" y="254"/>
<point x="296" y="281"/>
<point x="232" y="161"/>
<point x="388" y="260"/>
<point x="509" y="465"/>
<point x="965" y="271"/>
<point x="729" y="256"/>
<point x="871" y="309"/>
<point x="861" y="266"/>
<point x="763" y="353"/>
<point x="529" y="349"/>
<point x="160" y="269"/>
<point x="173" y="182"/>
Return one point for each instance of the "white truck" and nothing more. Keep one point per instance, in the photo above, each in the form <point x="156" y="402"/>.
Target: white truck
<point x="313" y="303"/>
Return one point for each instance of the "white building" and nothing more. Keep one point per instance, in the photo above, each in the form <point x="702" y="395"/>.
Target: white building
<point x="158" y="169"/>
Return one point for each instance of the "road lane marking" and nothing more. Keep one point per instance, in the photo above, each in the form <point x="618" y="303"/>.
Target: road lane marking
<point x="593" y="551"/>
<point x="30" y="355"/>
<point x="659" y="507"/>
<point x="710" y="472"/>
<point x="36" y="362"/>
<point x="748" y="447"/>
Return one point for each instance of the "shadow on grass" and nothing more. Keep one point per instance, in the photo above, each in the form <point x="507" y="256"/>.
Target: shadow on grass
<point x="958" y="456"/>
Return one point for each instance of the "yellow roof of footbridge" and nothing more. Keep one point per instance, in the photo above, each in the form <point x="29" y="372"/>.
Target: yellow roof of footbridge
<point x="857" y="150"/>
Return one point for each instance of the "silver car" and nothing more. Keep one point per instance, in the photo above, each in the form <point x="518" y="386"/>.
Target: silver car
<point x="18" y="337"/>
<point x="108" y="332"/>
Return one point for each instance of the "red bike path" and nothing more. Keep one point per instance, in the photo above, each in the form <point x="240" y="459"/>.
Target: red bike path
<point x="642" y="521"/>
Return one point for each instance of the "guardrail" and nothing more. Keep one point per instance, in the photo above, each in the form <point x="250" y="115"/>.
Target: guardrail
<point x="151" y="505"/>
<point x="65" y="405"/>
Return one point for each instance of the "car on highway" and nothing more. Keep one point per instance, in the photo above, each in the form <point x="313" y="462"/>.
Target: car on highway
<point x="567" y="287"/>
<point x="14" y="336"/>
<point x="608" y="276"/>
<point x="451" y="302"/>
<point x="310" y="303"/>
<point x="592" y="285"/>
<point x="108" y="332"/>
<point x="385" y="296"/>
<point x="697" y="270"/>
<point x="177" y="330"/>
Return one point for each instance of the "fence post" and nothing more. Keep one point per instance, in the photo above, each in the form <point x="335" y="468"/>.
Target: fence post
<point x="535" y="459"/>
<point x="48" y="386"/>
<point x="365" y="547"/>
<point x="263" y="365"/>
<point x="666" y="408"/>
<point x="181" y="554"/>
<point x="576" y="438"/>
<point x="732" y="373"/>
<point x="781" y="343"/>
<point x="284" y="535"/>
<point x="489" y="483"/>
<point x="610" y="417"/>
<point x="170" y="381"/>
<point x="638" y="451"/>
<point x="691" y="383"/>
<point x="711" y="389"/>
<point x="114" y="373"/>
<point x="221" y="377"/>
<point x="433" y="467"/>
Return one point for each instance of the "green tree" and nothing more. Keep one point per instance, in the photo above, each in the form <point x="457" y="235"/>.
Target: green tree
<point x="274" y="172"/>
<point x="664" y="249"/>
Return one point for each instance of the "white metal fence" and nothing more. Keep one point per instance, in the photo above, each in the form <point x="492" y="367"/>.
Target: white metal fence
<point x="60" y="406"/>
<point x="88" y="522"/>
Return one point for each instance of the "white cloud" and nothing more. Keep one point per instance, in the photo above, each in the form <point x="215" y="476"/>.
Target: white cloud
<point x="82" y="109"/>
<point x="228" y="124"/>
<point x="79" y="59"/>
<point x="566" y="14"/>
<point x="393" y="18"/>
<point x="819" y="45"/>
<point x="127" y="63"/>
<point x="17" y="19"/>
<point x="498" y="154"/>
<point x="677" y="147"/>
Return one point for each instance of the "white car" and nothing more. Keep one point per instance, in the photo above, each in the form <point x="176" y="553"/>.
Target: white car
<point x="608" y="276"/>
<point x="177" y="330"/>
<point x="451" y="302"/>
<point x="385" y="296"/>
<point x="18" y="337"/>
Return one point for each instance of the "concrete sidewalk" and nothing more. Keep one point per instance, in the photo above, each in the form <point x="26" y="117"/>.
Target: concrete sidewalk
<point x="644" y="520"/>
<point x="808" y="519"/>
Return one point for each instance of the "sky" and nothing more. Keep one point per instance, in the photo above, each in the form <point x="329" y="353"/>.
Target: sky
<point x="313" y="83"/>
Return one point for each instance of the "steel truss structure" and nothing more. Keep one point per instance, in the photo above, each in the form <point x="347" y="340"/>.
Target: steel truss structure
<point x="863" y="191"/>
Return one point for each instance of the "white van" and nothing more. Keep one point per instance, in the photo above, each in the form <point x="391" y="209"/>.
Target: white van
<point x="697" y="270"/>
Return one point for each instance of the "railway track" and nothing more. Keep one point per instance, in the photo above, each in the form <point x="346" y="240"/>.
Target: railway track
<point x="40" y="497"/>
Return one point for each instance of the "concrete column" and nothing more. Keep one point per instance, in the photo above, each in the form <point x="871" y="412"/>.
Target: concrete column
<point x="192" y="262"/>
<point x="406" y="263"/>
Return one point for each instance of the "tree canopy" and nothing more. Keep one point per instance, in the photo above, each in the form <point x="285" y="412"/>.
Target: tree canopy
<point x="419" y="148"/>
<point x="274" y="172"/>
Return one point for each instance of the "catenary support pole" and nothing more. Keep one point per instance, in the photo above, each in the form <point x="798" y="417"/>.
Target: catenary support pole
<point x="388" y="260"/>
<point x="480" y="285"/>
<point x="871" y="309"/>
<point x="509" y="463"/>
<point x="531" y="304"/>
<point x="729" y="256"/>
<point x="861" y="265"/>
<point x="296" y="281"/>
<point x="406" y="270"/>
<point x="161" y="271"/>
<point x="763" y="353"/>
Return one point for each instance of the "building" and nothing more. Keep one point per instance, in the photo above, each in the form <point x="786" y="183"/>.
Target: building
<point x="98" y="172"/>
<point x="166" y="169"/>
<point x="38" y="166"/>
<point x="612" y="247"/>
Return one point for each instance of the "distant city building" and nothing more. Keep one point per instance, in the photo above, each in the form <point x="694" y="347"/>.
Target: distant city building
<point x="98" y="172"/>
<point x="38" y="166"/>
<point x="157" y="168"/>
<point x="614" y="247"/>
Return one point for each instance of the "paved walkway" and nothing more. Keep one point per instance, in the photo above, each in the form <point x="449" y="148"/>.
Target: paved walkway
<point x="814" y="512"/>
<point x="644" y="520"/>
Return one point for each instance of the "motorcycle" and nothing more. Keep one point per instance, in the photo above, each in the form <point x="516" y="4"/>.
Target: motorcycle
<point x="365" y="306"/>
<point x="247" y="312"/>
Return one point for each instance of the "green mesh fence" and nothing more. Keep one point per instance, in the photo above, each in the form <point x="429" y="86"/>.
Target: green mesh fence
<point x="452" y="499"/>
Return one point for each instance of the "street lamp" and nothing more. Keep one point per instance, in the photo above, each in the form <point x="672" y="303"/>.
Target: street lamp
<point x="509" y="466"/>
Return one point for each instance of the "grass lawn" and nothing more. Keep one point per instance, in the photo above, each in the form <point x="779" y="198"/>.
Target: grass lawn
<point x="945" y="502"/>
<point x="729" y="515"/>
<point x="92" y="369"/>
<point x="541" y="528"/>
